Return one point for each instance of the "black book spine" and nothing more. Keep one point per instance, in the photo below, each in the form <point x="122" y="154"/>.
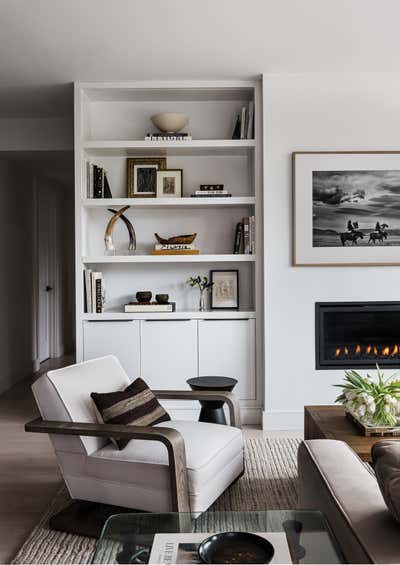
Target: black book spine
<point x="238" y="238"/>
<point x="99" y="297"/>
<point x="97" y="188"/>
<point x="107" y="190"/>
<point x="236" y="129"/>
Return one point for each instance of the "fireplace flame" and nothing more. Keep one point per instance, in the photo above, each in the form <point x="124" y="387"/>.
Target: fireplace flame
<point x="368" y="350"/>
<point x="358" y="350"/>
<point x="346" y="351"/>
<point x="338" y="351"/>
<point x="375" y="351"/>
<point x="395" y="350"/>
<point x="385" y="351"/>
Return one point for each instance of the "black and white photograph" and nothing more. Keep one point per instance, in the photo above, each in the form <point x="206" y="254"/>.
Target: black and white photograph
<point x="225" y="289"/>
<point x="169" y="183"/>
<point x="142" y="176"/>
<point x="356" y="208"/>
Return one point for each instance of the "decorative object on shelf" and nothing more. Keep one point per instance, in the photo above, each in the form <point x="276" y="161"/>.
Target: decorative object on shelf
<point x="213" y="190"/>
<point x="142" y="175"/>
<point x="204" y="285"/>
<point x="177" y="245"/>
<point x="245" y="234"/>
<point x="345" y="208"/>
<point x="94" y="292"/>
<point x="169" y="183"/>
<point x="208" y="187"/>
<point x="137" y="307"/>
<point x="162" y="298"/>
<point x="371" y="402"/>
<point x="110" y="247"/>
<point x="144" y="296"/>
<point x="171" y="137"/>
<point x="244" y="124"/>
<point x="170" y="122"/>
<point x="225" y="289"/>
<point x="176" y="239"/>
<point x="131" y="231"/>
<point x="97" y="185"/>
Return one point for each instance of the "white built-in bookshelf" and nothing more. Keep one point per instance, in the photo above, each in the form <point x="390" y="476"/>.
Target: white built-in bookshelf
<point x="111" y="120"/>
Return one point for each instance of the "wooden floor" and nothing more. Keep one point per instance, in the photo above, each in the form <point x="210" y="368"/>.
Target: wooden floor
<point x="29" y="475"/>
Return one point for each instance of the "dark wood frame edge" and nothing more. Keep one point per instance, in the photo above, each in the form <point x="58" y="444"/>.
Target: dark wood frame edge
<point x="238" y="289"/>
<point x="129" y="173"/>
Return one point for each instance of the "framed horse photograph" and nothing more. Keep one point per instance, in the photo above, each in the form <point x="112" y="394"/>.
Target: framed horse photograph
<point x="346" y="208"/>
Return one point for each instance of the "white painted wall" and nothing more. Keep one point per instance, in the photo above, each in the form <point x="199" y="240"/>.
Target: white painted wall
<point x="332" y="111"/>
<point x="16" y="289"/>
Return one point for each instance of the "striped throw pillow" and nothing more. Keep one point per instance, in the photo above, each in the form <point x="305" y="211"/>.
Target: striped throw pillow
<point x="134" y="406"/>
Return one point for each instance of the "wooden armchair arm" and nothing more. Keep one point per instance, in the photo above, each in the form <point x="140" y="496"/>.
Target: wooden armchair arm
<point x="172" y="440"/>
<point x="219" y="395"/>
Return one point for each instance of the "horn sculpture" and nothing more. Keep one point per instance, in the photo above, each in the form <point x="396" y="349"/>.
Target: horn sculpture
<point x="130" y="228"/>
<point x="110" y="248"/>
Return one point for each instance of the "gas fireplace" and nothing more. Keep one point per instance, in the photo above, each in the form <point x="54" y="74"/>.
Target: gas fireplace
<point x="357" y="334"/>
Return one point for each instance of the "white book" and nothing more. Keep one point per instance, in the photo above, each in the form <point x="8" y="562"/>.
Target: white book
<point x="94" y="277"/>
<point x="211" y="192"/>
<point x="91" y="180"/>
<point x="250" y="120"/>
<point x="132" y="308"/>
<point x="183" y="547"/>
<point x="243" y="123"/>
<point x="173" y="246"/>
<point x="88" y="290"/>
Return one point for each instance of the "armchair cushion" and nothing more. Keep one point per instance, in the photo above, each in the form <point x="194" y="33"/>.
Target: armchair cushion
<point x="136" y="405"/>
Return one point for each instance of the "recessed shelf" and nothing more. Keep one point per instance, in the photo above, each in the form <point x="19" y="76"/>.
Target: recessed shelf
<point x="179" y="315"/>
<point x="169" y="202"/>
<point x="216" y="258"/>
<point x="194" y="147"/>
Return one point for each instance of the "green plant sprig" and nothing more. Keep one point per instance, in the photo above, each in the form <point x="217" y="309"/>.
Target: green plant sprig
<point x="202" y="283"/>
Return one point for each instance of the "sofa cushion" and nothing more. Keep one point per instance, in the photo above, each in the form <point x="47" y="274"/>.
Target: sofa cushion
<point x="136" y="405"/>
<point x="386" y="458"/>
<point x="210" y="448"/>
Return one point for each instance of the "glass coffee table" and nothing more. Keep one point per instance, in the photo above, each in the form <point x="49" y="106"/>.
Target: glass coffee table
<point x="297" y="536"/>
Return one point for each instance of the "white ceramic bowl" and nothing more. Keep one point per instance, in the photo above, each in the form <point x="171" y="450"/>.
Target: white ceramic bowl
<point x="170" y="123"/>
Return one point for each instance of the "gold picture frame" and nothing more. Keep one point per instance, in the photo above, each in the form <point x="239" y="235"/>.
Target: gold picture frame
<point x="142" y="176"/>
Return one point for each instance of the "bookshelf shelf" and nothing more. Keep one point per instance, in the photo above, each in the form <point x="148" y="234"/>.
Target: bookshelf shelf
<point x="169" y="202"/>
<point x="178" y="315"/>
<point x="215" y="258"/>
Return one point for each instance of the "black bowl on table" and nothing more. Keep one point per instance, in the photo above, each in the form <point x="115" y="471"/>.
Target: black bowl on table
<point x="144" y="296"/>
<point x="235" y="547"/>
<point x="162" y="298"/>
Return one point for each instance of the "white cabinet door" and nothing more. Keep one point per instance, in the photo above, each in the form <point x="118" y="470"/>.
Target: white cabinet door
<point x="169" y="353"/>
<point x="121" y="339"/>
<point x="227" y="348"/>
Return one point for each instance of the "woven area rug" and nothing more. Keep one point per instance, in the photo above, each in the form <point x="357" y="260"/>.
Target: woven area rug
<point x="270" y="482"/>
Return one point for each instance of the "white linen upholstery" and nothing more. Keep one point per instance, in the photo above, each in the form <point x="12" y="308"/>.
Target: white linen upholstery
<point x="136" y="477"/>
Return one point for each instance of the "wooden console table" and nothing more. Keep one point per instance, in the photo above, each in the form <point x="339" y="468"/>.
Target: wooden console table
<point x="330" y="422"/>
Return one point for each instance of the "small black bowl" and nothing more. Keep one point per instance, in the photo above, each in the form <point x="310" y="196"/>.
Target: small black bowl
<point x="162" y="298"/>
<point x="144" y="296"/>
<point x="235" y="547"/>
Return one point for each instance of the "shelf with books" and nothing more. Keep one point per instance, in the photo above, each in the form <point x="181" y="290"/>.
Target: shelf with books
<point x="194" y="147"/>
<point x="169" y="202"/>
<point x="206" y="258"/>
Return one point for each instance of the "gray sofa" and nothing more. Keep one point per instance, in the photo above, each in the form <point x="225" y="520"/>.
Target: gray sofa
<point x="335" y="481"/>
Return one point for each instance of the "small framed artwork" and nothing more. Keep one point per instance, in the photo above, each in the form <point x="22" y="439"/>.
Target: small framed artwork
<point x="142" y="176"/>
<point x="225" y="290"/>
<point x="346" y="208"/>
<point x="169" y="183"/>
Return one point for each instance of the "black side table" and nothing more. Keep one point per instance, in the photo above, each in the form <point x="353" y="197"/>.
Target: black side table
<point x="212" y="410"/>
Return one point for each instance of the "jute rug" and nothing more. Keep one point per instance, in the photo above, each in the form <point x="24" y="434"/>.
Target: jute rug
<point x="270" y="482"/>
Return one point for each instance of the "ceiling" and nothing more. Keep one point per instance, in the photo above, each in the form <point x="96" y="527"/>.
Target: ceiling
<point x="47" y="44"/>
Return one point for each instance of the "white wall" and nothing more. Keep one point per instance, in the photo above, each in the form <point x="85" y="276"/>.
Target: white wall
<point x="16" y="289"/>
<point x="332" y="111"/>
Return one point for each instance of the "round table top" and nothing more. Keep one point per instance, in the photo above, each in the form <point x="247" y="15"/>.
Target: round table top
<point x="212" y="382"/>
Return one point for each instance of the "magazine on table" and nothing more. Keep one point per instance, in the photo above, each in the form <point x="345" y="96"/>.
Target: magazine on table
<point x="182" y="548"/>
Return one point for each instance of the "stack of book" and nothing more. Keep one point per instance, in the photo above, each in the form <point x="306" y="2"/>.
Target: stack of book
<point x="137" y="307"/>
<point x="211" y="191"/>
<point x="245" y="237"/>
<point x="96" y="182"/>
<point x="244" y="125"/>
<point x="94" y="291"/>
<point x="167" y="137"/>
<point x="175" y="249"/>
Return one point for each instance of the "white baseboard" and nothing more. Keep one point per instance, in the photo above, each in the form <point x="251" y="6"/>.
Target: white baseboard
<point x="279" y="420"/>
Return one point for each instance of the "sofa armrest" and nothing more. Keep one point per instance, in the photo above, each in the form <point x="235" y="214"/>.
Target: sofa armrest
<point x="171" y="438"/>
<point x="218" y="395"/>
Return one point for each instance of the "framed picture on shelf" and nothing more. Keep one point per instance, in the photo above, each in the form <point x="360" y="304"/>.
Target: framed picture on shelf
<point x="142" y="176"/>
<point x="169" y="183"/>
<point x="346" y="208"/>
<point x="225" y="289"/>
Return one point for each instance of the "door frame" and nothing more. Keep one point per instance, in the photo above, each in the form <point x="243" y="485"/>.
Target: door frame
<point x="56" y="348"/>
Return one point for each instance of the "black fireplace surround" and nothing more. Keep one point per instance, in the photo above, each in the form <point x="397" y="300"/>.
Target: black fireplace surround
<point x="357" y="334"/>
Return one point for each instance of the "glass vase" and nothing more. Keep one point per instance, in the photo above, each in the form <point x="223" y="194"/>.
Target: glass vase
<point x="202" y="301"/>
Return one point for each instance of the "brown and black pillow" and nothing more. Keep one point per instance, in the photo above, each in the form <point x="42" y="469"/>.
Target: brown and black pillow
<point x="134" y="406"/>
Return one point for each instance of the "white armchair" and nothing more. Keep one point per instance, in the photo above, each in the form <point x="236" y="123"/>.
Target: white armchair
<point x="172" y="466"/>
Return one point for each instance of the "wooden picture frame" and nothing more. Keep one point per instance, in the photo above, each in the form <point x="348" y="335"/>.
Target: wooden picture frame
<point x="169" y="183"/>
<point x="224" y="294"/>
<point x="345" y="208"/>
<point x="142" y="175"/>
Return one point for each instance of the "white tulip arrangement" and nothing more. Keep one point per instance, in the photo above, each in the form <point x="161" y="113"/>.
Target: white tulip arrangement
<point x="373" y="402"/>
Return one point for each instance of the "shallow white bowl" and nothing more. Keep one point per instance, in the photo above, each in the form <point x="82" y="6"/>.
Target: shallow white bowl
<point x="170" y="123"/>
